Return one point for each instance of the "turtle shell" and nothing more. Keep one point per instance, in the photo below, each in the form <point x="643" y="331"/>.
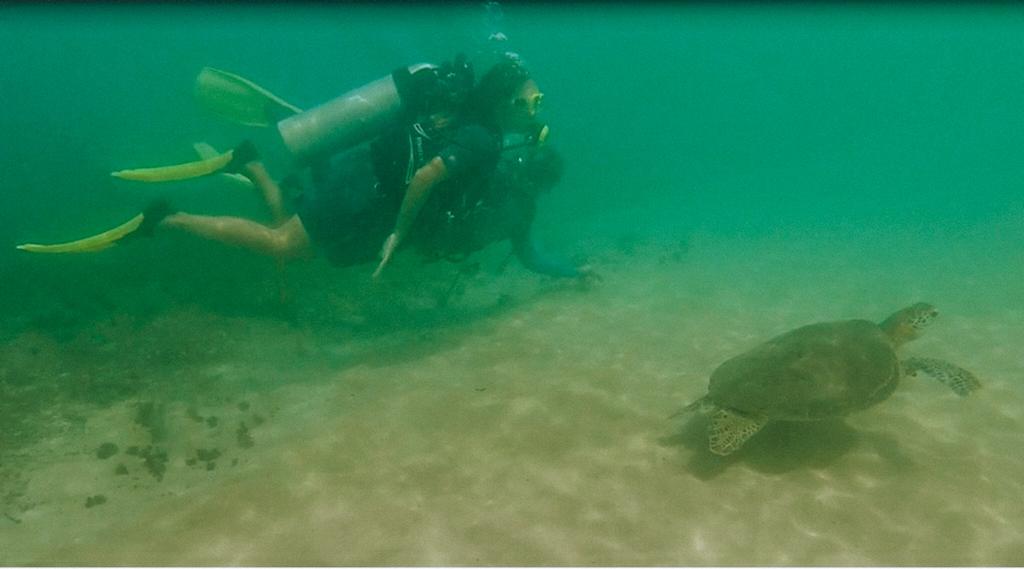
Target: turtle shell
<point x="813" y="372"/>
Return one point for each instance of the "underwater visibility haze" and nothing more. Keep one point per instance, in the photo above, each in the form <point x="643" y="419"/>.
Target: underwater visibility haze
<point x="732" y="173"/>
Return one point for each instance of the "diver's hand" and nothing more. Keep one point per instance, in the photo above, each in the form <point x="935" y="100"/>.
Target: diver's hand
<point x="587" y="276"/>
<point x="390" y="244"/>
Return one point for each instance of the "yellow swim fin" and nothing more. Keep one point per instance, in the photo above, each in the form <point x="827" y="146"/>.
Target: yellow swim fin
<point x="91" y="244"/>
<point x="206" y="152"/>
<point x="239" y="100"/>
<point x="178" y="171"/>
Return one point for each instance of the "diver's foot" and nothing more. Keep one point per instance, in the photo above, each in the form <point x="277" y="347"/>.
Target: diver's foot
<point x="154" y="213"/>
<point x="242" y="154"/>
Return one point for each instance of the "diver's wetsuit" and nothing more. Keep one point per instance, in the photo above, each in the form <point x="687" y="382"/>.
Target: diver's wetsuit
<point x="355" y="198"/>
<point x="503" y="208"/>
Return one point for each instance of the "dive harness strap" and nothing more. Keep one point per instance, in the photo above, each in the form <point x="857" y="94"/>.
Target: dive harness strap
<point x="410" y="90"/>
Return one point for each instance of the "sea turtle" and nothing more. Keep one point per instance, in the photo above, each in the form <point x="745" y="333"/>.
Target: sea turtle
<point x="819" y="371"/>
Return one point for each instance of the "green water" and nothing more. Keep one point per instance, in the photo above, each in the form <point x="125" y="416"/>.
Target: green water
<point x="732" y="171"/>
<point x="744" y="119"/>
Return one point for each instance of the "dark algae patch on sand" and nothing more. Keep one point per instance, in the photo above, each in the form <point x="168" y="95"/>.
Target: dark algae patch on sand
<point x="208" y="458"/>
<point x="97" y="500"/>
<point x="150" y="416"/>
<point x="243" y="436"/>
<point x="154" y="460"/>
<point x="106" y="450"/>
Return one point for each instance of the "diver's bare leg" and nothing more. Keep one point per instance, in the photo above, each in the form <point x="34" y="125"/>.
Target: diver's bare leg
<point x="271" y="192"/>
<point x="286" y="241"/>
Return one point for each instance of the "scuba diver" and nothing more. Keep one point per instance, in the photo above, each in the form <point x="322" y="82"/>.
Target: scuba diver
<point x="459" y="167"/>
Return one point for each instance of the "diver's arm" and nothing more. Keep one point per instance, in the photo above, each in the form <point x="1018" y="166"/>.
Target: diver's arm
<point x="525" y="248"/>
<point x="533" y="259"/>
<point x="416" y="194"/>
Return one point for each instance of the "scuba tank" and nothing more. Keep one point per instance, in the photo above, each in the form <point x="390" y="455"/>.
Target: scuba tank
<point x="364" y="112"/>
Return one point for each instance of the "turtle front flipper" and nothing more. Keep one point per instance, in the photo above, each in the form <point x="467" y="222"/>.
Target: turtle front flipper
<point x="729" y="430"/>
<point x="961" y="381"/>
<point x="701" y="405"/>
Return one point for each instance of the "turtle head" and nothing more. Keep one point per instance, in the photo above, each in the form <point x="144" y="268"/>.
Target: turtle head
<point x="905" y="325"/>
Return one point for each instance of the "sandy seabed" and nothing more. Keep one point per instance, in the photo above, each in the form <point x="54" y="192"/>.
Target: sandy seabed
<point x="540" y="433"/>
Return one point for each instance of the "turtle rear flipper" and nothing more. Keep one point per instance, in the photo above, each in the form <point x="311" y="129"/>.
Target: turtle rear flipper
<point x="961" y="381"/>
<point x="728" y="431"/>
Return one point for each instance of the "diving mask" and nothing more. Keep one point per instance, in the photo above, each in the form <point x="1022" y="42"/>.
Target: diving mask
<point x="530" y="104"/>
